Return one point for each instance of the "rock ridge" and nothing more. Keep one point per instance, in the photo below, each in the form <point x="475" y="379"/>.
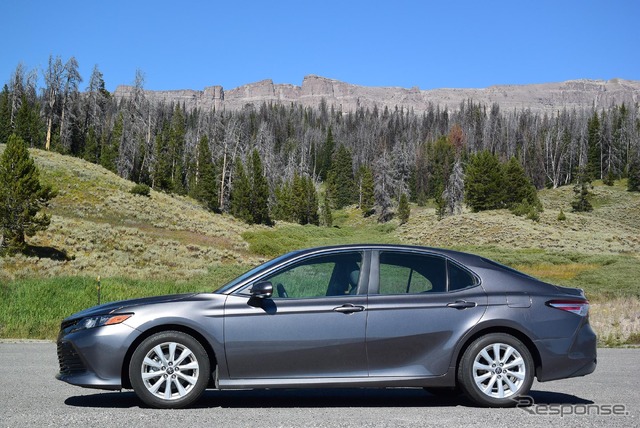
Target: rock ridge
<point x="346" y="97"/>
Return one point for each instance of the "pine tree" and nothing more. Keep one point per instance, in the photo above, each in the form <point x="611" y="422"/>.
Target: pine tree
<point x="326" y="156"/>
<point x="404" y="211"/>
<point x="283" y="207"/>
<point x="176" y="150"/>
<point x="27" y="123"/>
<point x="259" y="192"/>
<point x="110" y="149"/>
<point x="5" y="115"/>
<point x="340" y="180"/>
<point x="484" y="182"/>
<point x="22" y="196"/>
<point x="609" y="179"/>
<point x="162" y="167"/>
<point x="206" y="188"/>
<point x="581" y="201"/>
<point x="250" y="192"/>
<point x="366" y="190"/>
<point x="305" y="200"/>
<point x="519" y="189"/>
<point x="327" y="216"/>
<point x="91" y="153"/>
<point x="241" y="194"/>
<point x="633" y="182"/>
<point x="594" y="147"/>
<point x="441" y="155"/>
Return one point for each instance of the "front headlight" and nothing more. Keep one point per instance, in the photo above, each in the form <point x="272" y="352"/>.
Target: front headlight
<point x="101" y="320"/>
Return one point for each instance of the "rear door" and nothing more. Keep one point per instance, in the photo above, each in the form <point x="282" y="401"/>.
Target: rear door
<point x="419" y="307"/>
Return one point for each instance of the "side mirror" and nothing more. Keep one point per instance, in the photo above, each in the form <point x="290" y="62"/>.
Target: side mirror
<point x="261" y="290"/>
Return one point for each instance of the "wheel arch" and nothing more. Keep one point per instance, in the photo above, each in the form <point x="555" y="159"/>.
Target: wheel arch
<point x="126" y="381"/>
<point x="521" y="336"/>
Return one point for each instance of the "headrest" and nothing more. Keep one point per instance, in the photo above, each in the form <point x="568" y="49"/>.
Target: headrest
<point x="354" y="276"/>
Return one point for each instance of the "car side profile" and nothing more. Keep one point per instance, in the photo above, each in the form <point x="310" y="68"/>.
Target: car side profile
<point x="340" y="316"/>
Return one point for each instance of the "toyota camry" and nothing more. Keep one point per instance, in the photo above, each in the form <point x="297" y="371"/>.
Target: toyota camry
<point x="341" y="316"/>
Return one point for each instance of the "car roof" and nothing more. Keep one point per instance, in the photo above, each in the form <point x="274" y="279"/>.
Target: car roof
<point x="464" y="258"/>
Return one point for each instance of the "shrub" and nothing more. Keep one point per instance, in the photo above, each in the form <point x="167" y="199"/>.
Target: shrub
<point x="141" y="190"/>
<point x="562" y="216"/>
<point x="533" y="214"/>
<point x="524" y="208"/>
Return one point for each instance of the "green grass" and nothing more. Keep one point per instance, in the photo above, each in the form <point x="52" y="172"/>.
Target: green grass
<point x="271" y="242"/>
<point x="33" y="308"/>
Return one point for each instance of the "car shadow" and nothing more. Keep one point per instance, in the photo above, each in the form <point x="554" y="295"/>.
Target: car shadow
<point x="549" y="397"/>
<point x="311" y="398"/>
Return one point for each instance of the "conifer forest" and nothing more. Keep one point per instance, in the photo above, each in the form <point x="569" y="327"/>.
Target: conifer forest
<point x="287" y="162"/>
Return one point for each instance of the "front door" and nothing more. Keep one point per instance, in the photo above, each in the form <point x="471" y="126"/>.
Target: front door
<point x="312" y="326"/>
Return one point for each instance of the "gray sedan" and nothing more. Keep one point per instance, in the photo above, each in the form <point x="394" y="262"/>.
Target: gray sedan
<point x="342" y="316"/>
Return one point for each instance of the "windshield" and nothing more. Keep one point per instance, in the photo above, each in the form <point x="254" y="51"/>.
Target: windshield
<point x="255" y="270"/>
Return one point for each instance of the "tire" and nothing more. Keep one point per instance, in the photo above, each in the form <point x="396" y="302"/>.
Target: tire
<point x="495" y="370"/>
<point x="169" y="370"/>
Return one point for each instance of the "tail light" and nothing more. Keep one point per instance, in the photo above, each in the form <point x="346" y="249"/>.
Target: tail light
<point x="578" y="307"/>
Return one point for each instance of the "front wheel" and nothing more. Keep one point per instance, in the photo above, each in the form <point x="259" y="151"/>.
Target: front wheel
<point x="496" y="369"/>
<point x="169" y="370"/>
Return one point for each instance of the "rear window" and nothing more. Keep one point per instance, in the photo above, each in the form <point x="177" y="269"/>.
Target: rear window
<point x="507" y="268"/>
<point x="406" y="273"/>
<point x="460" y="278"/>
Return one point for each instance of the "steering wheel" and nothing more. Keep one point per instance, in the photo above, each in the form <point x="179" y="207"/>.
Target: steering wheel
<point x="281" y="290"/>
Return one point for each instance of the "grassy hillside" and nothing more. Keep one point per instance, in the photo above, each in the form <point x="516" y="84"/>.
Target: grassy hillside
<point x="105" y="230"/>
<point x="163" y="244"/>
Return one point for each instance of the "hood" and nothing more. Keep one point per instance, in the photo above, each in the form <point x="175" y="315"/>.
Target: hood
<point x="108" y="308"/>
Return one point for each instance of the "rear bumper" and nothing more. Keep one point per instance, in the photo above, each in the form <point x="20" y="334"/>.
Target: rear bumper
<point x="570" y="357"/>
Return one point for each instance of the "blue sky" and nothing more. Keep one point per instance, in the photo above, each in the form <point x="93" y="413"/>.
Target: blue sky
<point x="429" y="44"/>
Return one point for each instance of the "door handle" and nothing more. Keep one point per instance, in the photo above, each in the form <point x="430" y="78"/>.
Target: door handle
<point x="462" y="304"/>
<point x="348" y="309"/>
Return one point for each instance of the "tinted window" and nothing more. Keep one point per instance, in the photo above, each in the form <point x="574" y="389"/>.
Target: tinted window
<point x="255" y="270"/>
<point x="459" y="278"/>
<point x="333" y="275"/>
<point x="411" y="273"/>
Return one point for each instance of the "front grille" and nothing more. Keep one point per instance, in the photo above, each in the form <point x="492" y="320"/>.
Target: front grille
<point x="69" y="360"/>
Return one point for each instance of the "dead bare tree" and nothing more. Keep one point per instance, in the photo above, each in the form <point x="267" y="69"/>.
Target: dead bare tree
<point x="53" y="82"/>
<point x="71" y="79"/>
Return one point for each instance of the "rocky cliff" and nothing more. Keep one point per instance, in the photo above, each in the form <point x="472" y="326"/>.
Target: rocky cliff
<point x="346" y="97"/>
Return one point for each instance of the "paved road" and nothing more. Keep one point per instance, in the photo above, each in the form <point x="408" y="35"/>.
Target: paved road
<point x="30" y="396"/>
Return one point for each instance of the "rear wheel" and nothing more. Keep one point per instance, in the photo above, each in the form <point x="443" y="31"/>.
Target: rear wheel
<point x="496" y="369"/>
<point x="169" y="370"/>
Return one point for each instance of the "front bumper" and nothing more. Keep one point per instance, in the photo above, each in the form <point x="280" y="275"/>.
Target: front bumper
<point x="94" y="358"/>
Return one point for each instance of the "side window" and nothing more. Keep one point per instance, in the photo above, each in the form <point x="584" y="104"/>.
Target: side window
<point x="402" y="273"/>
<point x="459" y="278"/>
<point x="334" y="275"/>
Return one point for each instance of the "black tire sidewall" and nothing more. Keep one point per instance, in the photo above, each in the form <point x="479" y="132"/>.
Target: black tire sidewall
<point x="149" y="343"/>
<point x="465" y="370"/>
